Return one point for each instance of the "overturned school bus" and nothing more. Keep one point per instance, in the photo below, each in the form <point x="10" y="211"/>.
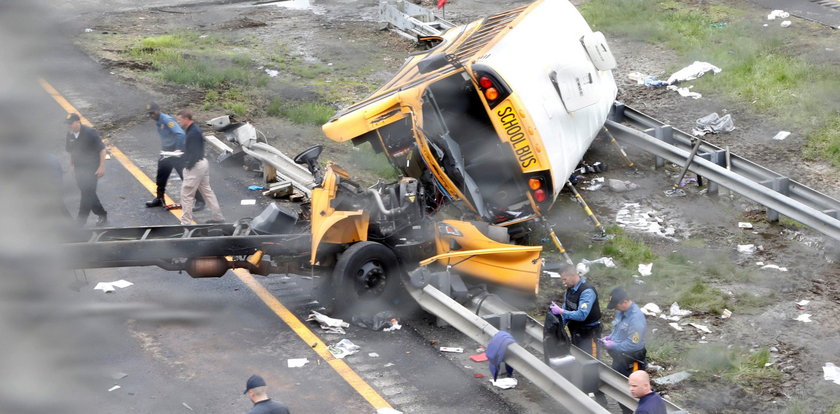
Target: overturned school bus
<point x="485" y="128"/>
<point x="492" y="120"/>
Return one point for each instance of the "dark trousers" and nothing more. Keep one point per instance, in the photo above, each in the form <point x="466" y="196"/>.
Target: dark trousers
<point x="626" y="363"/>
<point x="164" y="170"/>
<point x="586" y="338"/>
<point x="87" y="181"/>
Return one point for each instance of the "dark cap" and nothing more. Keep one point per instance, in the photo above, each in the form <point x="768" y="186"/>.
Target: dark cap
<point x="617" y="296"/>
<point x="152" y="107"/>
<point x="254" y="382"/>
<point x="73" y="117"/>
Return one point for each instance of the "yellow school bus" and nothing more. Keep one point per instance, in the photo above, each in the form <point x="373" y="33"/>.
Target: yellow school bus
<point x="497" y="115"/>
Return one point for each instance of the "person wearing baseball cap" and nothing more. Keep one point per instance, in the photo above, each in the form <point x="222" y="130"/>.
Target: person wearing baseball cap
<point x="256" y="389"/>
<point x="626" y="343"/>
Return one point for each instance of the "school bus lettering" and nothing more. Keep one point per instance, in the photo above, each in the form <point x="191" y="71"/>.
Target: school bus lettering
<point x="518" y="140"/>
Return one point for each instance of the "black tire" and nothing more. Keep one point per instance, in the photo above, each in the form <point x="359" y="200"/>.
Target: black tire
<point x="366" y="279"/>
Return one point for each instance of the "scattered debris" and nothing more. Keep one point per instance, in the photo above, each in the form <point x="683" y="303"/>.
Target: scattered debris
<point x="505" y="383"/>
<point x="772" y="266"/>
<point x="581" y="268"/>
<point x="778" y="14"/>
<point x="693" y="71"/>
<point x="805" y="317"/>
<point x="88" y="30"/>
<point x="802" y="304"/>
<point x="343" y="348"/>
<point x="619" y="186"/>
<point x="638" y="77"/>
<point x="248" y="202"/>
<point x="373" y="355"/>
<point x="554" y="275"/>
<point x="186" y="406"/>
<point x="701" y="328"/>
<point x="746" y="248"/>
<point x="781" y="135"/>
<point x="713" y="124"/>
<point x="255" y="187"/>
<point x="632" y="216"/>
<point x="645" y="269"/>
<point x="297" y="362"/>
<point x="686" y="92"/>
<point x="390" y="364"/>
<point x="676" y="311"/>
<point x="108" y="287"/>
<point x="451" y="349"/>
<point x="651" y="309"/>
<point x="675" y="326"/>
<point x="652" y="82"/>
<point x="606" y="261"/>
<point x="173" y="206"/>
<point x="673" y="378"/>
<point x="726" y="314"/>
<point x="785" y="23"/>
<point x="594" y="187"/>
<point x="831" y="373"/>
<point x="114" y="388"/>
<point x="395" y="325"/>
<point x="118" y="375"/>
<point x="328" y="324"/>
<point x="482" y="357"/>
<point x="744" y="225"/>
<point x="477" y="375"/>
<point x="272" y="73"/>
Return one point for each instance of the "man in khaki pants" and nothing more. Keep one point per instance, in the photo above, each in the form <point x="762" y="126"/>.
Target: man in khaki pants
<point x="196" y="172"/>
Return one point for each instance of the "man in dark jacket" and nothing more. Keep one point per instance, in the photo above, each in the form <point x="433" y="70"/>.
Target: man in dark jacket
<point x="87" y="160"/>
<point x="196" y="171"/>
<point x="649" y="401"/>
<point x="256" y="390"/>
<point x="581" y="311"/>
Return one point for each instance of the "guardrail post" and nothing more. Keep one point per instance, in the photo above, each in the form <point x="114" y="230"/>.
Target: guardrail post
<point x="663" y="133"/>
<point x="780" y="185"/>
<point x="719" y="158"/>
<point x="616" y="112"/>
<point x="512" y="322"/>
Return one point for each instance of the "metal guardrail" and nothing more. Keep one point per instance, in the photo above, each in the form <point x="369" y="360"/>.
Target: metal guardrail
<point x="780" y="194"/>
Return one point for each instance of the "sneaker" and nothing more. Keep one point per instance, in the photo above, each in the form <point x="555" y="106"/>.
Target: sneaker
<point x="155" y="202"/>
<point x="102" y="221"/>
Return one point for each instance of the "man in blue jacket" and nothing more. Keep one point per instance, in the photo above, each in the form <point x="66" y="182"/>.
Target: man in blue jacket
<point x="626" y="343"/>
<point x="172" y="138"/>
<point x="650" y="402"/>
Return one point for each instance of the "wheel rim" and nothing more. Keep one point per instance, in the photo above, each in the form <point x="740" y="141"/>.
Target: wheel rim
<point x="371" y="279"/>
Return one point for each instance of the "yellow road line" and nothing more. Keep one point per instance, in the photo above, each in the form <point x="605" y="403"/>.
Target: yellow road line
<point x="320" y="348"/>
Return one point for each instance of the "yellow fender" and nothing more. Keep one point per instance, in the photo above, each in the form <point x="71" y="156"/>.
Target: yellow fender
<point x="329" y="225"/>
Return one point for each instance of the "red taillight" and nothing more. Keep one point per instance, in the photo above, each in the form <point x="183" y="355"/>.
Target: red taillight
<point x="491" y="94"/>
<point x="539" y="195"/>
<point x="485" y="82"/>
<point x="534" y="184"/>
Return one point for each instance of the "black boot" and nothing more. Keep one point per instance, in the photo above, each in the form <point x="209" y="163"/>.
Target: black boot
<point x="102" y="221"/>
<point x="155" y="202"/>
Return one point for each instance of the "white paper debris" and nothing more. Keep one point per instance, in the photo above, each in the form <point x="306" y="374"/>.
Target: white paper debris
<point x="297" y="362"/>
<point x="343" y="348"/>
<point x="676" y="311"/>
<point x="744" y="225"/>
<point x="395" y="326"/>
<point x="746" y="248"/>
<point x="726" y="314"/>
<point x="328" y="324"/>
<point x="115" y="387"/>
<point x="701" y="328"/>
<point x="803" y="302"/>
<point x="248" y="202"/>
<point x="651" y="309"/>
<point x="186" y="406"/>
<point x="108" y="287"/>
<point x="676" y="326"/>
<point x="272" y="73"/>
<point x="553" y="275"/>
<point x="805" y="317"/>
<point x="785" y="23"/>
<point x="451" y="349"/>
<point x="685" y="92"/>
<point x="781" y="135"/>
<point x="373" y="355"/>
<point x="772" y="266"/>
<point x="582" y="268"/>
<point x="606" y="261"/>
<point x="778" y="14"/>
<point x="693" y="71"/>
<point x="645" y="269"/>
<point x="831" y="373"/>
<point x="504" y="383"/>
<point x="638" y="77"/>
<point x="390" y="364"/>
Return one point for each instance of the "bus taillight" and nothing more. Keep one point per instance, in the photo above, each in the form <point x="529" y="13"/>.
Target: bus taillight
<point x="534" y="183"/>
<point x="485" y="82"/>
<point x="491" y="86"/>
<point x="491" y="94"/>
<point x="539" y="196"/>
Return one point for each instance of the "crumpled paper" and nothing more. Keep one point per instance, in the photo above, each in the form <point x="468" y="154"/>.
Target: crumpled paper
<point x="329" y="325"/>
<point x="692" y="72"/>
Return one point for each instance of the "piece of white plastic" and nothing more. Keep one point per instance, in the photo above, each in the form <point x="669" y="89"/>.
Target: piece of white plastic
<point x="645" y="269"/>
<point x="831" y="373"/>
<point x="504" y="383"/>
<point x="297" y="362"/>
<point x="651" y="309"/>
<point x="805" y="317"/>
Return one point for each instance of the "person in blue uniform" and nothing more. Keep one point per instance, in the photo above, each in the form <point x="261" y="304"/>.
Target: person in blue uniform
<point x="256" y="389"/>
<point x="580" y="311"/>
<point x="172" y="138"/>
<point x="626" y="342"/>
<point x="87" y="161"/>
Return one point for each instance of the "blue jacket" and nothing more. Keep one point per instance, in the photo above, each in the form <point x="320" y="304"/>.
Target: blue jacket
<point x="628" y="332"/>
<point x="171" y="134"/>
<point x="496" y="350"/>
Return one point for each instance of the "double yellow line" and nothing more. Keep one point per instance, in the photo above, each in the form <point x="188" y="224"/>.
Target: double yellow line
<point x="302" y="331"/>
